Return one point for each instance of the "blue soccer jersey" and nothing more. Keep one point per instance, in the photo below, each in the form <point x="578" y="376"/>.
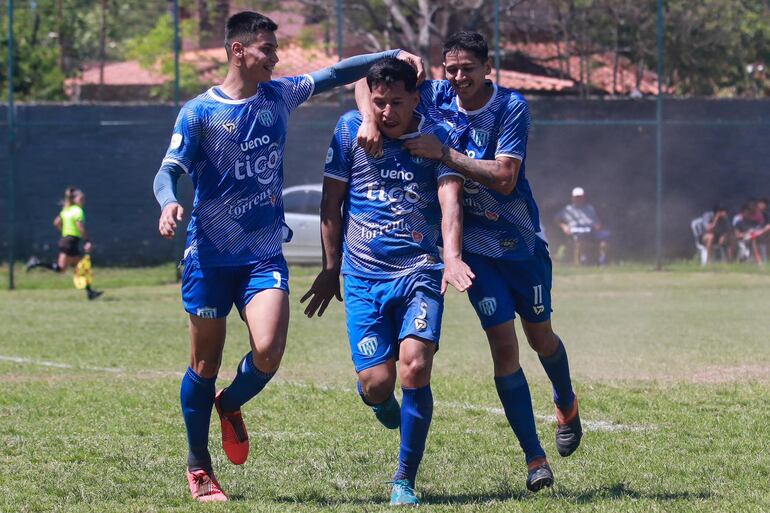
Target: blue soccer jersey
<point x="392" y="216"/>
<point x="233" y="151"/>
<point x="495" y="225"/>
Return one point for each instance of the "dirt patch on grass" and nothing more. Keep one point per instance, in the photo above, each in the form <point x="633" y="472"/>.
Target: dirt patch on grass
<point x="731" y="374"/>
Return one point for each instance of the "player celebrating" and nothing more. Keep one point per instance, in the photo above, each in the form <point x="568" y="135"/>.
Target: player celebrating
<point x="393" y="206"/>
<point x="501" y="241"/>
<point x="231" y="141"/>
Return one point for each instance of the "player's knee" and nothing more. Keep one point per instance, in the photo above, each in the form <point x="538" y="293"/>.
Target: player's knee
<point x="415" y="369"/>
<point x="545" y="343"/>
<point x="378" y="387"/>
<point x="269" y="359"/>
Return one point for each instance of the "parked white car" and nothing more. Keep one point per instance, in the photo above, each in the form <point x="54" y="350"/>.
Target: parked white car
<point x="302" y="208"/>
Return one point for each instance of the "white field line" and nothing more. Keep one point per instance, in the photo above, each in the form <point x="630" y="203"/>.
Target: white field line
<point x="588" y="425"/>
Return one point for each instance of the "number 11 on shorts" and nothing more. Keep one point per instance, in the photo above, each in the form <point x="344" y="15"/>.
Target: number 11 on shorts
<point x="538" y="294"/>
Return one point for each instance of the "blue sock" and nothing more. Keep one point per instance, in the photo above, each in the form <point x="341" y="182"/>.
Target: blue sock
<point x="247" y="383"/>
<point x="557" y="368"/>
<point x="416" y="414"/>
<point x="517" y="403"/>
<point x="197" y="397"/>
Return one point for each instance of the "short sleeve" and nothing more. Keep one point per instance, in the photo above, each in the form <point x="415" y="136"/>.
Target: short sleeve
<point x="442" y="171"/>
<point x="185" y="140"/>
<point x="295" y="90"/>
<point x="81" y="216"/>
<point x="338" y="158"/>
<point x="514" y="129"/>
<point x="432" y="93"/>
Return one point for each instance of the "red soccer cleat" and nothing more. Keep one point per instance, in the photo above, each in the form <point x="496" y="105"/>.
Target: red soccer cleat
<point x="235" y="438"/>
<point x="204" y="487"/>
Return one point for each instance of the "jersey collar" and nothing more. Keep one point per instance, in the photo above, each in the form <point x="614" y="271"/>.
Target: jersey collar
<point x="479" y="110"/>
<point x="213" y="95"/>
<point x="417" y="132"/>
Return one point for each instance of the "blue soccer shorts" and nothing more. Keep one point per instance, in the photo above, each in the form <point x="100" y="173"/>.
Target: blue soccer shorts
<point x="504" y="287"/>
<point x="382" y="312"/>
<point x="210" y="292"/>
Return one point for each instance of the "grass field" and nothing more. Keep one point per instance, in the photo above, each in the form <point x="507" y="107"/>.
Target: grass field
<point x="673" y="370"/>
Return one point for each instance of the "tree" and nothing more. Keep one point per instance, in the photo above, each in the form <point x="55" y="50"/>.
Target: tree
<point x="154" y="51"/>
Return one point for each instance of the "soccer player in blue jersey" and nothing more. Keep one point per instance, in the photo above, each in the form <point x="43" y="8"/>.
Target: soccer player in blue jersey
<point x="230" y="140"/>
<point x="501" y="239"/>
<point x="385" y="244"/>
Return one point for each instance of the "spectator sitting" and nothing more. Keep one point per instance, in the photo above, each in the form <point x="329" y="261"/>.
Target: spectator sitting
<point x="752" y="230"/>
<point x="579" y="221"/>
<point x="718" y="232"/>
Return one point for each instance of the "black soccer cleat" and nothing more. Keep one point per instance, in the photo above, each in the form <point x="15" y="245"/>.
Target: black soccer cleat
<point x="569" y="431"/>
<point x="93" y="294"/>
<point x="540" y="476"/>
<point x="568" y="436"/>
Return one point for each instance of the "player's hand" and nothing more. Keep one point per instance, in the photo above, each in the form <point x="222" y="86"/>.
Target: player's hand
<point x="457" y="274"/>
<point x="324" y="288"/>
<point x="416" y="62"/>
<point x="370" y="138"/>
<point x="426" y="146"/>
<point x="87" y="247"/>
<point x="172" y="213"/>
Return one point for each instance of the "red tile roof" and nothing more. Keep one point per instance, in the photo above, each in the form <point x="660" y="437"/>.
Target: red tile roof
<point x="522" y="81"/>
<point x="547" y="56"/>
<point x="295" y="60"/>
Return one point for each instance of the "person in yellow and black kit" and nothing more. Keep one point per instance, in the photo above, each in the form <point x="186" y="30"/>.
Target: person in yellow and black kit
<point x="71" y="223"/>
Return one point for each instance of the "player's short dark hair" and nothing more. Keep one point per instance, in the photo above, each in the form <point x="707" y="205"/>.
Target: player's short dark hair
<point x="719" y="208"/>
<point x="243" y="27"/>
<point x="471" y="42"/>
<point x="390" y="70"/>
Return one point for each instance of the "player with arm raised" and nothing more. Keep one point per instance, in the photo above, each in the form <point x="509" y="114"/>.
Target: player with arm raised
<point x="380" y="223"/>
<point x="501" y="240"/>
<point x="231" y="140"/>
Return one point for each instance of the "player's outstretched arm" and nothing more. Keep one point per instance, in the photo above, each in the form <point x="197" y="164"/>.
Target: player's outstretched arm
<point x="456" y="272"/>
<point x="500" y="174"/>
<point x="351" y="69"/>
<point x="327" y="283"/>
<point x="164" y="187"/>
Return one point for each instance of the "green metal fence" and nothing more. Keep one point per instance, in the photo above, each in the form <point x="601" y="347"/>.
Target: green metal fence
<point x="338" y="17"/>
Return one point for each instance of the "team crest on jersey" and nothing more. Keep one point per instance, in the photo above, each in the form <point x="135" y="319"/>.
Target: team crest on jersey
<point x="206" y="313"/>
<point x="273" y="199"/>
<point x="488" y="306"/>
<point x="417" y="236"/>
<point x="368" y="346"/>
<point x="265" y="117"/>
<point x="480" y="137"/>
<point x="417" y="159"/>
<point x="229" y="127"/>
<point x="492" y="216"/>
<point x="509" y="243"/>
<point x="176" y="141"/>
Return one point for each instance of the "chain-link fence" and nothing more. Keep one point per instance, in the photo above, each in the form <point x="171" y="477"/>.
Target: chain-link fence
<point x="91" y="89"/>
